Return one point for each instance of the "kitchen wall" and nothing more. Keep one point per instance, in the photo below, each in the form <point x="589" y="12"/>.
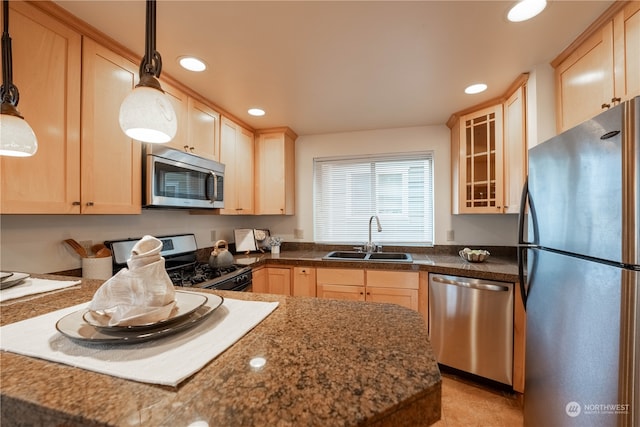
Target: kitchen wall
<point x="34" y="243"/>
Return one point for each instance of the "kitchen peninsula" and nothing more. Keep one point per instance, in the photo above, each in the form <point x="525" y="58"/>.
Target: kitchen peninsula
<point x="326" y="362"/>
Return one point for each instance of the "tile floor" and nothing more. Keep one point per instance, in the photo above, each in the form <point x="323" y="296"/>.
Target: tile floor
<point x="467" y="404"/>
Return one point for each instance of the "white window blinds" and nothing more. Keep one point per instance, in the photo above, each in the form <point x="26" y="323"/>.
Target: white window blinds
<point x="396" y="188"/>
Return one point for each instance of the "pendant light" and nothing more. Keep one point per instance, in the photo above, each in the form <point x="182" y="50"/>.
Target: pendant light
<point x="146" y="114"/>
<point x="16" y="136"/>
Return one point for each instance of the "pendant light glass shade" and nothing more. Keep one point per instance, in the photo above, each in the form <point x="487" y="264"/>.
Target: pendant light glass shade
<point x="17" y="139"/>
<point x="147" y="115"/>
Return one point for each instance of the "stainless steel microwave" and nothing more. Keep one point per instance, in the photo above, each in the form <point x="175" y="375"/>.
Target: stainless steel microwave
<point x="177" y="179"/>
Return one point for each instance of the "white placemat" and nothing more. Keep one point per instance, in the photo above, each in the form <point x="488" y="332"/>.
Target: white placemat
<point x="166" y="361"/>
<point x="32" y="286"/>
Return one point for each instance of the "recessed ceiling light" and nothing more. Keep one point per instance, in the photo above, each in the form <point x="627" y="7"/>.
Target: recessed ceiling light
<point x="256" y="112"/>
<point x="526" y="9"/>
<point x="476" y="88"/>
<point x="192" y="64"/>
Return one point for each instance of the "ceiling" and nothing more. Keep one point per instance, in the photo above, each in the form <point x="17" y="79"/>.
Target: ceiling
<point x="338" y="66"/>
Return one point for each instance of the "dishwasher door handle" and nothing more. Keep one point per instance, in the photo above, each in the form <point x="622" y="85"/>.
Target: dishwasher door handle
<point x="481" y="286"/>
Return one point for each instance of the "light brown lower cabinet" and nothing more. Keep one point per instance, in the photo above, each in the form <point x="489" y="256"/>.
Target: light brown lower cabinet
<point x="340" y="283"/>
<point x="344" y="292"/>
<point x="272" y="280"/>
<point x="304" y="282"/>
<point x="259" y="280"/>
<point x="404" y="288"/>
<point x="396" y="287"/>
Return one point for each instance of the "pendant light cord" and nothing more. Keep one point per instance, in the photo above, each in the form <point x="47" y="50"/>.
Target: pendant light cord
<point x="152" y="62"/>
<point x="8" y="92"/>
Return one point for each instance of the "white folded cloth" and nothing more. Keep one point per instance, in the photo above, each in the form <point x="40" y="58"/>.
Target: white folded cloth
<point x="32" y="286"/>
<point x="166" y="361"/>
<point x="138" y="295"/>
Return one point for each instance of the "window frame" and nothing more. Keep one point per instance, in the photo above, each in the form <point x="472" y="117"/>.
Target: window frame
<point x="378" y="166"/>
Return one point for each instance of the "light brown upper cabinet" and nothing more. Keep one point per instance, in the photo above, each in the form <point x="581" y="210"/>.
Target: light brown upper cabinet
<point x="179" y="101"/>
<point x="203" y="130"/>
<point x="626" y="51"/>
<point x="600" y="68"/>
<point x="111" y="161"/>
<point x="84" y="164"/>
<point x="198" y="124"/>
<point x="237" y="154"/>
<point x="488" y="154"/>
<point x="47" y="72"/>
<point x="275" y="172"/>
<point x="515" y="149"/>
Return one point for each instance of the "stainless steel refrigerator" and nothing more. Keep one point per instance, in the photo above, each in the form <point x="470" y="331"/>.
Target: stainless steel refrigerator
<point x="582" y="275"/>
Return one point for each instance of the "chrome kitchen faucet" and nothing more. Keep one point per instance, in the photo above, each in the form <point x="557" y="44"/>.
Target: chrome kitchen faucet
<point x="370" y="246"/>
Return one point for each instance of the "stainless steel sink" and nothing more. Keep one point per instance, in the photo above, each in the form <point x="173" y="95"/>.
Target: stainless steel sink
<point x="346" y="255"/>
<point x="389" y="256"/>
<point x="372" y="256"/>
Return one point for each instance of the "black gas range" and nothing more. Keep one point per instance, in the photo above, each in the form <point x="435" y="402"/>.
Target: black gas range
<point x="183" y="268"/>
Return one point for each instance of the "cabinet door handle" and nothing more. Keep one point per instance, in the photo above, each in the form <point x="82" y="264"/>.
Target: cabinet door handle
<point x="75" y="204"/>
<point x="607" y="106"/>
<point x="89" y="203"/>
<point x="616" y="100"/>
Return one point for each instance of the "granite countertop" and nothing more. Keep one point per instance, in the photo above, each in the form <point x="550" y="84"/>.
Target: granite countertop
<point x="501" y="268"/>
<point x="328" y="362"/>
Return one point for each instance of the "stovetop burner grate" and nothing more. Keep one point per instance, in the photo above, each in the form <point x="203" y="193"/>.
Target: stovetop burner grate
<point x="197" y="274"/>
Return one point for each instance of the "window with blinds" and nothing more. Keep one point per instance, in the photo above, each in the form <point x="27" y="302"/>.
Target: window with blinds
<point x="396" y="188"/>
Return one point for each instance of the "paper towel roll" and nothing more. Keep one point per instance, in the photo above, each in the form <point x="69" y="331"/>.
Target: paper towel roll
<point x="97" y="268"/>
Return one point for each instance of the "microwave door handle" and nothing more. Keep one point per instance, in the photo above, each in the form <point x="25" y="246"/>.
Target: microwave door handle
<point x="215" y="186"/>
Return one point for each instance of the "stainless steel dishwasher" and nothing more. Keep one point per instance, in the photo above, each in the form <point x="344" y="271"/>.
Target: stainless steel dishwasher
<point x="471" y="325"/>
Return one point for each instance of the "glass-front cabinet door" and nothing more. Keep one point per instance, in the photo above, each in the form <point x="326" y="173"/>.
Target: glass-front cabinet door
<point x="481" y="174"/>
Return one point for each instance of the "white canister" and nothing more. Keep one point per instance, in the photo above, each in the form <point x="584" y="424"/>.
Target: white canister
<point x="97" y="268"/>
<point x="275" y="249"/>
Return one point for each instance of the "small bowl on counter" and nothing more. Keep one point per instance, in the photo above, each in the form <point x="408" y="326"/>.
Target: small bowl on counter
<point x="475" y="255"/>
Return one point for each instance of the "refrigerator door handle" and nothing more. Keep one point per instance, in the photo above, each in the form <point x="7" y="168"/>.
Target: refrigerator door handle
<point x="522" y="250"/>
<point x="523" y="206"/>
<point x="522" y="244"/>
